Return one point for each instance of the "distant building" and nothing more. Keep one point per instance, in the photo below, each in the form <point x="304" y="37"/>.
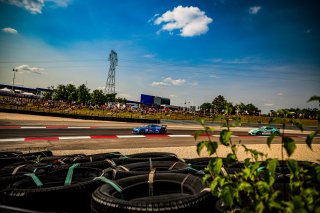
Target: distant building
<point x="153" y="100"/>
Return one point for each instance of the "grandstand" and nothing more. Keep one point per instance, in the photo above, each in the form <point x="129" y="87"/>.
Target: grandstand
<point x="6" y="89"/>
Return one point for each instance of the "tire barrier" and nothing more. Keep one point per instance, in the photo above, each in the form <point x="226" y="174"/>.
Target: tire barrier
<point x="16" y="158"/>
<point x="113" y="182"/>
<point x="12" y="174"/>
<point x="145" y="167"/>
<point x="142" y="157"/>
<point x="64" y="190"/>
<point x="153" y="192"/>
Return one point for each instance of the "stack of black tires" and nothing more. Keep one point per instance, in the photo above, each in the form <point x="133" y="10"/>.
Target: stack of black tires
<point x="113" y="182"/>
<point x="108" y="182"/>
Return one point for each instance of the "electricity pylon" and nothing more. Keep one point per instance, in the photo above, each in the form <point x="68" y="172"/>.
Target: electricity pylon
<point x="110" y="84"/>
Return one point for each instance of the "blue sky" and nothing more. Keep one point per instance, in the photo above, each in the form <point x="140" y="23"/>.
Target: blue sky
<point x="264" y="52"/>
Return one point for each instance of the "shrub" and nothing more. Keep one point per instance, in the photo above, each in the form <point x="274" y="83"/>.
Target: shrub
<point x="259" y="185"/>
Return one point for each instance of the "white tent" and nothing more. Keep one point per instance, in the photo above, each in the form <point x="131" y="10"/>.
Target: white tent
<point x="5" y="90"/>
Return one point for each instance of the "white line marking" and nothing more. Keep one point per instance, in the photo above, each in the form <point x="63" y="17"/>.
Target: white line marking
<point x="74" y="137"/>
<point x="131" y="136"/>
<point x="79" y="127"/>
<point x="217" y="136"/>
<point x="11" y="139"/>
<point x="180" y="136"/>
<point x="33" y="127"/>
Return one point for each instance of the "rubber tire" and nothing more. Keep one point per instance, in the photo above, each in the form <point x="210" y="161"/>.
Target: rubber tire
<point x="167" y="195"/>
<point x="142" y="168"/>
<point x="142" y="157"/>
<point x="54" y="196"/>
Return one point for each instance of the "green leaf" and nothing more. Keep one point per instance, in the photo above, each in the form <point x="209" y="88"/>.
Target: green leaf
<point x="227" y="195"/>
<point x="311" y="137"/>
<point x="246" y="162"/>
<point x="298" y="204"/>
<point x="201" y="121"/>
<point x="234" y="148"/>
<point x="245" y="186"/>
<point x="246" y="173"/>
<point x="293" y="167"/>
<point x="215" y="165"/>
<point x="271" y="167"/>
<point x="211" y="147"/>
<point x="231" y="158"/>
<point x="214" y="184"/>
<point x="262" y="187"/>
<point x="225" y="136"/>
<point x="260" y="207"/>
<point x="209" y="129"/>
<point x="289" y="145"/>
<point x="200" y="146"/>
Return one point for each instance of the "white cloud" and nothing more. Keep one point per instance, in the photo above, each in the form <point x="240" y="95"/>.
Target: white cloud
<point x="10" y="30"/>
<point x="33" y="6"/>
<point x="191" y="21"/>
<point x="269" y="105"/>
<point x="169" y="82"/>
<point x="254" y="10"/>
<point x="175" y="82"/>
<point x="159" y="84"/>
<point x="280" y="94"/>
<point x="27" y="68"/>
<point x="153" y="18"/>
<point x="172" y="96"/>
<point x="36" y="6"/>
<point x="194" y="83"/>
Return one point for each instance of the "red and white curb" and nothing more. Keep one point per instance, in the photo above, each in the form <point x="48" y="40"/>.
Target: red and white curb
<point x="98" y="137"/>
<point x="52" y="127"/>
<point x="115" y="137"/>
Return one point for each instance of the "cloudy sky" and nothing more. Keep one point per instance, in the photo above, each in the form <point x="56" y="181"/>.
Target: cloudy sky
<point x="264" y="52"/>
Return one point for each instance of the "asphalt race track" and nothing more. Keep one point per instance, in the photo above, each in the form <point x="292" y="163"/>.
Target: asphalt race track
<point x="80" y="131"/>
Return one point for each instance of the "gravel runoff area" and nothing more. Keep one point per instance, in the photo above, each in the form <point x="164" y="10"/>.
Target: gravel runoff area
<point x="301" y="153"/>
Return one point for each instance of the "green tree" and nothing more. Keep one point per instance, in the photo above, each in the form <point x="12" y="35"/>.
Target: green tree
<point x="205" y="107"/>
<point x="71" y="92"/>
<point x="83" y="94"/>
<point x="121" y="100"/>
<point x="252" y="109"/>
<point x="48" y="95"/>
<point x="241" y="107"/>
<point x="98" y="97"/>
<point x="219" y="104"/>
<point x="111" y="97"/>
<point x="60" y="93"/>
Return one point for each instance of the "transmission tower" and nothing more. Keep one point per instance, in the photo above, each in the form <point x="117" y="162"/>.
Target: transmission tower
<point x="111" y="85"/>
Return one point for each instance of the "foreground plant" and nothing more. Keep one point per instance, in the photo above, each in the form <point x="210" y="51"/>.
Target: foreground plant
<point x="255" y="187"/>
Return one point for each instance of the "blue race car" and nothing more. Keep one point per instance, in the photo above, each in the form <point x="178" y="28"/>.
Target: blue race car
<point x="264" y="130"/>
<point x="150" y="128"/>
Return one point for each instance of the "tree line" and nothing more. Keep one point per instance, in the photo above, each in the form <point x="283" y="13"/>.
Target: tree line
<point x="219" y="104"/>
<point x="80" y="94"/>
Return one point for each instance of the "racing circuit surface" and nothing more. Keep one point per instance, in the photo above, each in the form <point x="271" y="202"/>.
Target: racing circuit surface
<point x="23" y="132"/>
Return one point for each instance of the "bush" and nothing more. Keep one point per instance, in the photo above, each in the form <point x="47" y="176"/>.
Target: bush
<point x="261" y="186"/>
